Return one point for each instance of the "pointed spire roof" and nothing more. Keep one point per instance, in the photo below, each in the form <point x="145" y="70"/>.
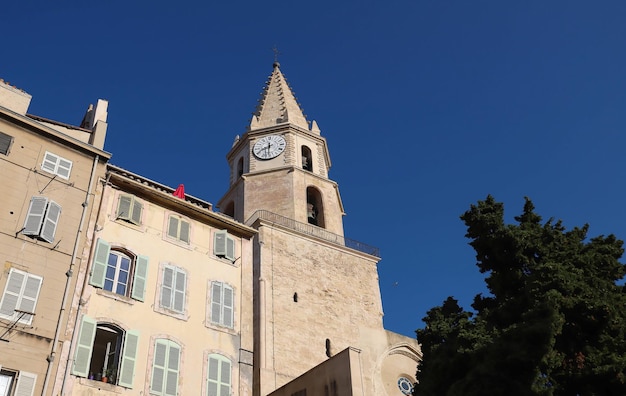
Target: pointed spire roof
<point x="278" y="104"/>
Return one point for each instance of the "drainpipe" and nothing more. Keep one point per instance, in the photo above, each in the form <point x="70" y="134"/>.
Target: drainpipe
<point x="68" y="274"/>
<point x="70" y="354"/>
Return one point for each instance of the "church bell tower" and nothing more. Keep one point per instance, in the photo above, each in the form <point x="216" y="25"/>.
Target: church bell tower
<point x="281" y="164"/>
<point x="317" y="315"/>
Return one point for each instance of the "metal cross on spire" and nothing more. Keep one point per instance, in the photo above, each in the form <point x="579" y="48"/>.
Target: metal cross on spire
<point x="276" y="53"/>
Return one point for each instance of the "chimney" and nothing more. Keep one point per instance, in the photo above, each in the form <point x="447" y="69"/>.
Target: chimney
<point x="14" y="98"/>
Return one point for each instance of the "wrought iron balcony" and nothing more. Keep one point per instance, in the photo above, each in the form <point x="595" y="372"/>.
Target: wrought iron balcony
<point x="314" y="231"/>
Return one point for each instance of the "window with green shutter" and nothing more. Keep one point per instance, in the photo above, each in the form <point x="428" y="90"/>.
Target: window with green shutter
<point x="178" y="229"/>
<point x="222" y="304"/>
<point x="129" y="209"/>
<point x="218" y="376"/>
<point x="119" y="271"/>
<point x="165" y="368"/>
<point x="173" y="288"/>
<point x="224" y="245"/>
<point x="105" y="350"/>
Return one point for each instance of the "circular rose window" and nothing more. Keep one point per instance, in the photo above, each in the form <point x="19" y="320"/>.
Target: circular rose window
<point x="405" y="385"/>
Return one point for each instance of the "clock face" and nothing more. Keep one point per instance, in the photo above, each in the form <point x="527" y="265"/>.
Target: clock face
<point x="269" y="146"/>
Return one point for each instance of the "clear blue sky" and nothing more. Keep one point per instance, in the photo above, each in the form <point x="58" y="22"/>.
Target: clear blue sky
<point x="427" y="106"/>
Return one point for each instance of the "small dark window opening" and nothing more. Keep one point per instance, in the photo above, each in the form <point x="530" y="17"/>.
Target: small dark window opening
<point x="331" y="390"/>
<point x="240" y="167"/>
<point x="295" y="297"/>
<point x="5" y="143"/>
<point x="106" y="356"/>
<point x="307" y="159"/>
<point x="328" y="353"/>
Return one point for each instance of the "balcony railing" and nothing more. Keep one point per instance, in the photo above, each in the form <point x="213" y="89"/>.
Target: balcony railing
<point x="314" y="231"/>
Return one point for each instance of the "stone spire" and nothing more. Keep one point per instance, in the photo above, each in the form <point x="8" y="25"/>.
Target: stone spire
<point x="278" y="104"/>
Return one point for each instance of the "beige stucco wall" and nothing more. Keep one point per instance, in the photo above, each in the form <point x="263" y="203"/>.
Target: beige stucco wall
<point x="191" y="330"/>
<point x="21" y="178"/>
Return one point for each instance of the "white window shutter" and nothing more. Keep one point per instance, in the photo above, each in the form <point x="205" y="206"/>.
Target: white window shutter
<point x="12" y="292"/>
<point x="35" y="216"/>
<point x="167" y="287"/>
<point x="50" y="222"/>
<point x="216" y="302"/>
<point x="219" y="243"/>
<point x="30" y="294"/>
<point x="227" y="313"/>
<point x="230" y="248"/>
<point x="99" y="264"/>
<point x="158" y="367"/>
<point x="139" y="279"/>
<point x="25" y="384"/>
<point x="129" y="357"/>
<point x="64" y="168"/>
<point x="49" y="163"/>
<point x="173" y="361"/>
<point x="124" y="207"/>
<point x="82" y="357"/>
<point x="136" y="212"/>
<point x="179" y="291"/>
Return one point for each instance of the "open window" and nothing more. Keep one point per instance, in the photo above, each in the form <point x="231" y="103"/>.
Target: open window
<point x="104" y="350"/>
<point x="224" y="245"/>
<point x="307" y="159"/>
<point x="314" y="207"/>
<point x="129" y="209"/>
<point x="42" y="219"/>
<point x="119" y="271"/>
<point x="6" y="141"/>
<point x="16" y="383"/>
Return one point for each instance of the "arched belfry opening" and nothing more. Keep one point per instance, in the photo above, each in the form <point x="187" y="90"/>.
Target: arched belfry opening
<point x="314" y="207"/>
<point x="240" y="167"/>
<point x="307" y="159"/>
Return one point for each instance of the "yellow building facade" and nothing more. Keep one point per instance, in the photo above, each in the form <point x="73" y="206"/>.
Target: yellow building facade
<point x="48" y="173"/>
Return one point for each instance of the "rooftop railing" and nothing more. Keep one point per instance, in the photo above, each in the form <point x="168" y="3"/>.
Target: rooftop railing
<point x="314" y="231"/>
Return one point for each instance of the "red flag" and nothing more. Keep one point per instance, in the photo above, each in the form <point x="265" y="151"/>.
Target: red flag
<point x="180" y="192"/>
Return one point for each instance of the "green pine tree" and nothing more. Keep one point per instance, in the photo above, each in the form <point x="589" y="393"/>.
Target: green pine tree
<point x="553" y="324"/>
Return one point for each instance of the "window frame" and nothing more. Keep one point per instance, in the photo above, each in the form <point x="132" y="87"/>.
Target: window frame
<point x="124" y="359"/>
<point x="172" y="287"/>
<point x="218" y="381"/>
<point x="170" y="376"/>
<point x="14" y="299"/>
<point x="55" y="165"/>
<point x="130" y="209"/>
<point x="138" y="273"/>
<point x="224" y="245"/>
<point x="178" y="236"/>
<point x="221" y="314"/>
<point x="42" y="219"/>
